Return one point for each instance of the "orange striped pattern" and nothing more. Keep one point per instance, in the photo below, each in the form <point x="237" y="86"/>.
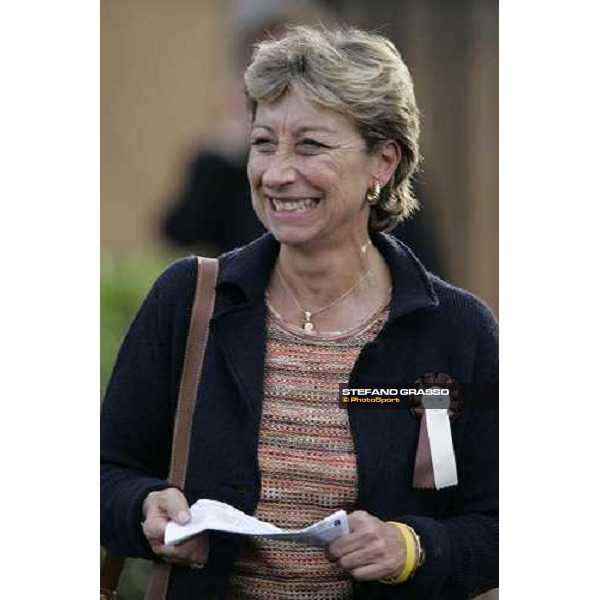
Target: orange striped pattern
<point x="307" y="462"/>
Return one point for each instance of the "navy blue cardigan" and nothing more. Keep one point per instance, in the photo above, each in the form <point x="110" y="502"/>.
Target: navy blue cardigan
<point x="432" y="327"/>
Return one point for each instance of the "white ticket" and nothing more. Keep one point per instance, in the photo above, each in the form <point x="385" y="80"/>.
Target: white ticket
<point x="218" y="516"/>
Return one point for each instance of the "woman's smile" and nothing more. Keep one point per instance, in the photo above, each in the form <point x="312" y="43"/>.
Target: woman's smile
<point x="293" y="205"/>
<point x="292" y="210"/>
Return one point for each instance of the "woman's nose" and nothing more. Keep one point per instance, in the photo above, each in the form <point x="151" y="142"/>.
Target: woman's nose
<point x="280" y="171"/>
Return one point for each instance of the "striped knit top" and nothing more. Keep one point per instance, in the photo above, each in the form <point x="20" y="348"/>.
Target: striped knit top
<point x="306" y="459"/>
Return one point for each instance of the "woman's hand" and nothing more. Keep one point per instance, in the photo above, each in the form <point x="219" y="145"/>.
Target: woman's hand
<point x="372" y="550"/>
<point x="170" y="505"/>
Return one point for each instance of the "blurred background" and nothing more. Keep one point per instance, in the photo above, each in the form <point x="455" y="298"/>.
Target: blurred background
<point x="173" y="139"/>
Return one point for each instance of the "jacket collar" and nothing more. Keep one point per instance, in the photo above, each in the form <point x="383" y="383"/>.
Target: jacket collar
<point x="412" y="288"/>
<point x="248" y="270"/>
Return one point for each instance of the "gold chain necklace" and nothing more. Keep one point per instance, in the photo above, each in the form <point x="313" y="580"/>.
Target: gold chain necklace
<point x="307" y="315"/>
<point x="327" y="337"/>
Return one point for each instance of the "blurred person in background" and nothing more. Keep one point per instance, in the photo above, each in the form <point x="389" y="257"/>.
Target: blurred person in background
<point x="215" y="185"/>
<point x="325" y="297"/>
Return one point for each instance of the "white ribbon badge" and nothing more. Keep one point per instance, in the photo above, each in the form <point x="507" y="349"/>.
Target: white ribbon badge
<point x="442" y="449"/>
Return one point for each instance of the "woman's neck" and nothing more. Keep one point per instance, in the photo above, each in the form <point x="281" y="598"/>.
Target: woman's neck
<point x="320" y="275"/>
<point x="332" y="288"/>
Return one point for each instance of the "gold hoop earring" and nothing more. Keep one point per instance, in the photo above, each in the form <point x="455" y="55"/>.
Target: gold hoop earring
<point x="373" y="195"/>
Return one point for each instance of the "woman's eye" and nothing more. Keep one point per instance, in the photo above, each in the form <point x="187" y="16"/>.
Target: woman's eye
<point x="263" y="144"/>
<point x="309" y="143"/>
<point x="261" y="141"/>
<point x="310" y="146"/>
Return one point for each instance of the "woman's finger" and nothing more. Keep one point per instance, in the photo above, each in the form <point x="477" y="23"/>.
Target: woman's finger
<point x="154" y="529"/>
<point x="174" y="505"/>
<point x="191" y="546"/>
<point x="192" y="551"/>
<point x="173" y="554"/>
<point x="364" y="530"/>
<point x="369" y="572"/>
<point x="360" y="558"/>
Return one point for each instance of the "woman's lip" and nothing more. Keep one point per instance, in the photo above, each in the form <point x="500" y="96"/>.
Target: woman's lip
<point x="292" y="198"/>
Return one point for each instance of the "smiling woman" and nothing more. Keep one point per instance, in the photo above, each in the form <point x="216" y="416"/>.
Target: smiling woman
<point x="325" y="298"/>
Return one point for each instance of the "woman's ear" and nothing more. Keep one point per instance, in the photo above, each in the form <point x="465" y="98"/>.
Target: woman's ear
<point x="387" y="159"/>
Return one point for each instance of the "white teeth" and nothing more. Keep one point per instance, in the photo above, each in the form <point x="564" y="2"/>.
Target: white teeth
<point x="294" y="206"/>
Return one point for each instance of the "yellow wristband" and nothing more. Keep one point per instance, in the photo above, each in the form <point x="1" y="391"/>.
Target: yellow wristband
<point x="410" y="564"/>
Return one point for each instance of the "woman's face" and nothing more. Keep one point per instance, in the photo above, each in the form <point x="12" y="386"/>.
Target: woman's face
<point x="309" y="173"/>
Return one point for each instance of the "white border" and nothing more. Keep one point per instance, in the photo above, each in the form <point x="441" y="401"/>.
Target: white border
<point x="49" y="190"/>
<point x="548" y="238"/>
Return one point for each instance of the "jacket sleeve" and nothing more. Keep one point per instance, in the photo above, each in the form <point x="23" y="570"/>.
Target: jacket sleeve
<point x="462" y="548"/>
<point x="138" y="410"/>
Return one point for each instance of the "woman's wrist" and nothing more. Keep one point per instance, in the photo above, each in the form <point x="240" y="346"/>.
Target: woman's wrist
<point x="415" y="554"/>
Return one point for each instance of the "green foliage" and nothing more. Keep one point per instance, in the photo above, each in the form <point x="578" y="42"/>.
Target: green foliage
<point x="134" y="578"/>
<point x="124" y="283"/>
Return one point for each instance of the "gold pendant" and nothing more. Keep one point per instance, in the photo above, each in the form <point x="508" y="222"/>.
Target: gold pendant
<point x="308" y="326"/>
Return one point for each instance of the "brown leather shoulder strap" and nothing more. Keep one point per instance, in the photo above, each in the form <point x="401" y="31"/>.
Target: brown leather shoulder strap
<point x="202" y="311"/>
<point x="109" y="575"/>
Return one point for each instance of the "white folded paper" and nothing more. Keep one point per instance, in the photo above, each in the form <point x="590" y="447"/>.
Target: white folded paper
<point x="218" y="516"/>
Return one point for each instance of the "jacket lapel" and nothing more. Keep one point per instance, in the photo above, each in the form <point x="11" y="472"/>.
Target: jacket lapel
<point x="239" y="322"/>
<point x="241" y="338"/>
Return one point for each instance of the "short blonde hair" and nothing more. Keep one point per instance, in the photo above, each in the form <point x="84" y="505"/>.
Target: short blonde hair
<point x="358" y="74"/>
